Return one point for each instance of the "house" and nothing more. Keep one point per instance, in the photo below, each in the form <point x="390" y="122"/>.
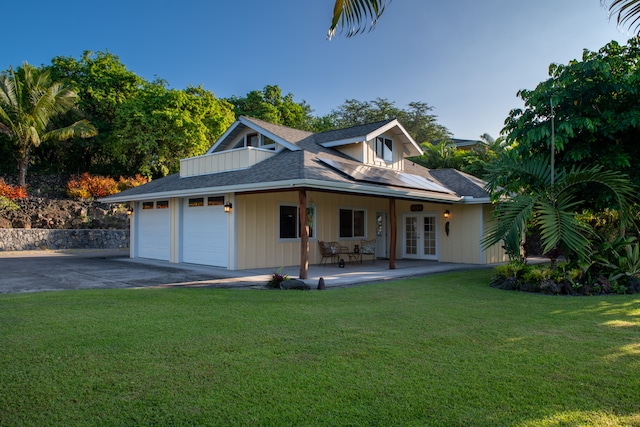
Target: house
<point x="249" y="201"/>
<point x="468" y="144"/>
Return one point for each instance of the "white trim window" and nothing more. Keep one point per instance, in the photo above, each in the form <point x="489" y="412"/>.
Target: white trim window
<point x="384" y="148"/>
<point x="352" y="223"/>
<point x="257" y="140"/>
<point x="289" y="222"/>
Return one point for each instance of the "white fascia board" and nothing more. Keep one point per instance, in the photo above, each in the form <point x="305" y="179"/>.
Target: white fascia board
<point x="469" y="200"/>
<point x="265" y="132"/>
<point x="346" y="141"/>
<point x="391" y="125"/>
<point x="279" y="185"/>
<point x="223" y="137"/>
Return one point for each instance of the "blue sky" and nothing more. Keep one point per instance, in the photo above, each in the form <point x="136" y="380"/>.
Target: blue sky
<point x="467" y="59"/>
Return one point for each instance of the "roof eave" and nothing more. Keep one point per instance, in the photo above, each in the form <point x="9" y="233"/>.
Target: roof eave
<point x="406" y="193"/>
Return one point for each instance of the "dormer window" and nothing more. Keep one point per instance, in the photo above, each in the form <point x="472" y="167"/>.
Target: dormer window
<point x="256" y="140"/>
<point x="252" y="140"/>
<point x="384" y="148"/>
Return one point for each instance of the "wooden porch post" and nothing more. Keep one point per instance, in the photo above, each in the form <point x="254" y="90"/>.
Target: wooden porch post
<point x="304" y="234"/>
<point x="392" y="243"/>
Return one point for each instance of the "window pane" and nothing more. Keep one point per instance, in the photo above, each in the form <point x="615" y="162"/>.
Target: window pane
<point x="199" y="201"/>
<point x="358" y="224"/>
<point x="346" y="223"/>
<point x="288" y="222"/>
<point x="252" y="140"/>
<point x="388" y="150"/>
<point x="379" y="147"/>
<point x="215" y="201"/>
<point x="162" y="204"/>
<point x="147" y="205"/>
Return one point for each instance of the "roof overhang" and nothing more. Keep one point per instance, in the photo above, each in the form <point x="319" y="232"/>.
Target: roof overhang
<point x="358" y="188"/>
<point x="411" y="147"/>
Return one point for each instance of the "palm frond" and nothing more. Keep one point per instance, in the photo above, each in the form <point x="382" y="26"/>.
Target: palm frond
<point x="81" y="129"/>
<point x="627" y="11"/>
<point x="356" y="15"/>
<point x="559" y="227"/>
<point x="534" y="173"/>
<point x="614" y="182"/>
<point x="509" y="221"/>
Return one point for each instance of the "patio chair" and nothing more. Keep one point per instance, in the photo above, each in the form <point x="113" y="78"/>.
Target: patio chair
<point x="368" y="248"/>
<point x="327" y="252"/>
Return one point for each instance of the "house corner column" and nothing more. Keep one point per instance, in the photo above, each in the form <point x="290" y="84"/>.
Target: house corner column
<point x="304" y="234"/>
<point x="393" y="234"/>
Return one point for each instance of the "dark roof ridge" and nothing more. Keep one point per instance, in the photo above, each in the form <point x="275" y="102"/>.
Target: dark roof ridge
<point x="354" y="127"/>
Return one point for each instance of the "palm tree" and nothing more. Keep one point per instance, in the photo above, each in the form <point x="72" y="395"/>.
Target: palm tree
<point x="29" y="100"/>
<point x="627" y="11"/>
<point x="356" y="15"/>
<point x="550" y="206"/>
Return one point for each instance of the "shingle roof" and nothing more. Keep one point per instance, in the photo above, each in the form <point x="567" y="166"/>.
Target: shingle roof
<point x="351" y="132"/>
<point x="301" y="166"/>
<point x="463" y="184"/>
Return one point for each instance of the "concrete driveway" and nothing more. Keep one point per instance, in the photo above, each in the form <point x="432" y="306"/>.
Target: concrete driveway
<point x="32" y="271"/>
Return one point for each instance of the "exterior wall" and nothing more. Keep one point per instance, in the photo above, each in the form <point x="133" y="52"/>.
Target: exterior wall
<point x="495" y="253"/>
<point x="258" y="245"/>
<point x="465" y="231"/>
<point x="398" y="153"/>
<point x="352" y="150"/>
<point x="254" y="228"/>
<point x="239" y="158"/>
<point x="257" y="239"/>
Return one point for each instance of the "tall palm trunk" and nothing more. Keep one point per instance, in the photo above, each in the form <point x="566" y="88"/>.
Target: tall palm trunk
<point x="23" y="164"/>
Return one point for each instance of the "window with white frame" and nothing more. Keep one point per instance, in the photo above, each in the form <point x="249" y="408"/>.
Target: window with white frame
<point x="255" y="140"/>
<point x="289" y="221"/>
<point x="384" y="148"/>
<point x="352" y="222"/>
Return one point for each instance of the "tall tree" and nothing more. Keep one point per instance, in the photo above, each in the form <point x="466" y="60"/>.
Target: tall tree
<point x="103" y="84"/>
<point x="440" y="156"/>
<point x="160" y="126"/>
<point x="270" y="105"/>
<point x="416" y="118"/>
<point x="29" y="101"/>
<point x="594" y="108"/>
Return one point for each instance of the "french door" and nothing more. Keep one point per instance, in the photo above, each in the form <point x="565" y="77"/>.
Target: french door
<point x="420" y="237"/>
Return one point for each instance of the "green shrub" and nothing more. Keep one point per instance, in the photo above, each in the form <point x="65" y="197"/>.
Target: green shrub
<point x="7" y="205"/>
<point x="513" y="269"/>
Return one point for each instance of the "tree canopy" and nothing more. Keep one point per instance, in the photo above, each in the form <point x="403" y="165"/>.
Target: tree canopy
<point x="595" y="108"/>
<point x="145" y="127"/>
<point x="270" y="105"/>
<point x="416" y="118"/>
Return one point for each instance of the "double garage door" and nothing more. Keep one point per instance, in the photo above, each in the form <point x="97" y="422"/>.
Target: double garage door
<point x="203" y="234"/>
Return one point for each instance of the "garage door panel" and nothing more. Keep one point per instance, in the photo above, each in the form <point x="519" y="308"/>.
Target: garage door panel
<point x="154" y="239"/>
<point x="205" y="235"/>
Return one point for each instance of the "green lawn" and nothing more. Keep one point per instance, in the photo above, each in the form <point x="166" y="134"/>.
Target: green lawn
<point x="445" y="350"/>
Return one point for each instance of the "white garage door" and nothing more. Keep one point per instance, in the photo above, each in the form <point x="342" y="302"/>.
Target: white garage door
<point x="205" y="231"/>
<point x="153" y="230"/>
